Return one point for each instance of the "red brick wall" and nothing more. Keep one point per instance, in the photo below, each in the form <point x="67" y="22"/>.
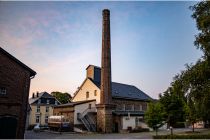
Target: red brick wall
<point x="16" y="80"/>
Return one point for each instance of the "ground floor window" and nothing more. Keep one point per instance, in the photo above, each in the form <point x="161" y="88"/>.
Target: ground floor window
<point x="46" y="119"/>
<point x="138" y="120"/>
<point x="37" y="119"/>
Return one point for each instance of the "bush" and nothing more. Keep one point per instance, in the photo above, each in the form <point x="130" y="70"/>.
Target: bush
<point x="139" y="129"/>
<point x="31" y="127"/>
<point x="182" y="137"/>
<point x="179" y="125"/>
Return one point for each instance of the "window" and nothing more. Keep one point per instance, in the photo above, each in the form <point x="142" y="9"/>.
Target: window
<point x="128" y="107"/>
<point x="123" y="106"/>
<point x="132" y="108"/>
<point x="39" y="101"/>
<point x="140" y="106"/>
<point x="89" y="106"/>
<point x="38" y="109"/>
<point x="87" y="94"/>
<point x="56" y="102"/>
<point x="37" y="118"/>
<point x="46" y="119"/>
<point x="47" y="108"/>
<point x="48" y="101"/>
<point x="95" y="93"/>
<point x="3" y="91"/>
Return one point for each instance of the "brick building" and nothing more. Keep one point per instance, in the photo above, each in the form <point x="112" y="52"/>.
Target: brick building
<point x="129" y="101"/>
<point x="15" y="80"/>
<point x="106" y="106"/>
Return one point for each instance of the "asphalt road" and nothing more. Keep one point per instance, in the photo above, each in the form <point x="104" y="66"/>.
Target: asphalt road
<point x="71" y="135"/>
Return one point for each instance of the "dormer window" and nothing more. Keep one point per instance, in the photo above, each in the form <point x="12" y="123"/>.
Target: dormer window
<point x="39" y="101"/>
<point x="3" y="91"/>
<point x="56" y="102"/>
<point x="48" y="101"/>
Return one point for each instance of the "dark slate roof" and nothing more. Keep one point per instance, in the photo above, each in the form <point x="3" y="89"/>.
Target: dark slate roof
<point x="32" y="72"/>
<point x="40" y="95"/>
<point x="124" y="91"/>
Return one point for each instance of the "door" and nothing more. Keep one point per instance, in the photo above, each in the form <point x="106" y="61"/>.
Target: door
<point x="8" y="127"/>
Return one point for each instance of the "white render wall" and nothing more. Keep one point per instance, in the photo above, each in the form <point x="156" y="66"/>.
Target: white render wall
<point x="128" y="123"/>
<point x="90" y="87"/>
<point x="81" y="108"/>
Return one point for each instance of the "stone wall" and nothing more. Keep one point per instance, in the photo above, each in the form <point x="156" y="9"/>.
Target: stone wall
<point x="16" y="80"/>
<point x="135" y="105"/>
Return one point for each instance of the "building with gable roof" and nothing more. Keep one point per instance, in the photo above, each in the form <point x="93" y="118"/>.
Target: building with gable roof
<point x="15" y="80"/>
<point x="131" y="104"/>
<point x="41" y="105"/>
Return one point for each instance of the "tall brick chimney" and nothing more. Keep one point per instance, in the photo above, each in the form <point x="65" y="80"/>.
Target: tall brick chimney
<point x="104" y="109"/>
<point x="106" y="60"/>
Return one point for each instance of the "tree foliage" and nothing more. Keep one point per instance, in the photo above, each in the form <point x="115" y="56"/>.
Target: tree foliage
<point x="154" y="115"/>
<point x="188" y="97"/>
<point x="173" y="105"/>
<point x="63" y="98"/>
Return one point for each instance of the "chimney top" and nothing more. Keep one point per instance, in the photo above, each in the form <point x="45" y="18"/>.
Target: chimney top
<point x="106" y="11"/>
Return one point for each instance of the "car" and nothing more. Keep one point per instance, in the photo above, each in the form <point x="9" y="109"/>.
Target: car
<point x="37" y="128"/>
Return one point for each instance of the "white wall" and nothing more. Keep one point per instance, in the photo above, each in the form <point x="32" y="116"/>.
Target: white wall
<point x="90" y="87"/>
<point x="81" y="108"/>
<point x="128" y="123"/>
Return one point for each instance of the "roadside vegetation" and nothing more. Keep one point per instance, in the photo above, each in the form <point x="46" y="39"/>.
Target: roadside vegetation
<point x="187" y="100"/>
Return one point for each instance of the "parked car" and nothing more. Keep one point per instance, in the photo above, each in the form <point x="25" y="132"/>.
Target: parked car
<point x="37" y="128"/>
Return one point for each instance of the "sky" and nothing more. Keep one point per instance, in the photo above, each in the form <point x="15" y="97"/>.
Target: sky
<point x="150" y="41"/>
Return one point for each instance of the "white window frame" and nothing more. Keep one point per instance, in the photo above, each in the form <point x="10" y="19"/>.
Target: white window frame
<point x="38" y="109"/>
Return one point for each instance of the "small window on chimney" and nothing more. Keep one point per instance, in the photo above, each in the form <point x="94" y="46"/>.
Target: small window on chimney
<point x="3" y="91"/>
<point x="87" y="94"/>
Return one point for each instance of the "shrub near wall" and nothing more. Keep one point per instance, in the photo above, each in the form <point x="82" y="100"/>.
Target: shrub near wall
<point x="182" y="137"/>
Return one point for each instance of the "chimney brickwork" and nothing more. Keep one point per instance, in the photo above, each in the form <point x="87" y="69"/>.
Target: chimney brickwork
<point x="104" y="109"/>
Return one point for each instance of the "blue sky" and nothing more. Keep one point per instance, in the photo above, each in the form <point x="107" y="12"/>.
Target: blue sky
<point x="150" y="41"/>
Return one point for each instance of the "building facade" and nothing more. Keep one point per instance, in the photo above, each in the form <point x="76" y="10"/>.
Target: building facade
<point x="15" y="80"/>
<point x="41" y="105"/>
<point x="117" y="106"/>
<point x="129" y="101"/>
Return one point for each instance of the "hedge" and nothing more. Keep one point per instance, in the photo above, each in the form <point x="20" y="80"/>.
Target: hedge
<point x="182" y="137"/>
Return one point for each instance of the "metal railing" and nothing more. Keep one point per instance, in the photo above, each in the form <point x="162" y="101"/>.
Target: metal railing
<point x="86" y="119"/>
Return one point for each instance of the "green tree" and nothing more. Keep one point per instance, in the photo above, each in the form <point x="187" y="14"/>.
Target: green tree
<point x="191" y="113"/>
<point x="173" y="106"/>
<point x="201" y="14"/>
<point x="154" y="116"/>
<point x="63" y="98"/>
